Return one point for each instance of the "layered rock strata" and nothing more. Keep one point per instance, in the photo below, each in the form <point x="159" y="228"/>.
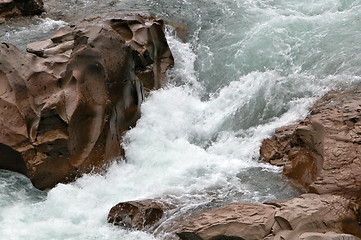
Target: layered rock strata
<point x="12" y="8"/>
<point x="65" y="104"/>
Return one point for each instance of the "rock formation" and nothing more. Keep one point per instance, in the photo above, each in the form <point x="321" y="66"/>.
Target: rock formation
<point x="321" y="155"/>
<point x="12" y="8"/>
<point x="310" y="216"/>
<point x="322" y="152"/>
<point x="138" y="215"/>
<point x="65" y="105"/>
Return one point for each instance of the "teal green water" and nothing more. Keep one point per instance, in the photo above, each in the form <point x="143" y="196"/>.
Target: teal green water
<point x="246" y="68"/>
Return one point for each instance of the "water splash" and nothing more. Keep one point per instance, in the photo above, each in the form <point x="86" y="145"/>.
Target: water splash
<point x="247" y="68"/>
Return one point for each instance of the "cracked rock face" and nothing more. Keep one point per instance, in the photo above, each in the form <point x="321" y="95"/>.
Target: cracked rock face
<point x="65" y="105"/>
<point x="323" y="152"/>
<point x="310" y="216"/>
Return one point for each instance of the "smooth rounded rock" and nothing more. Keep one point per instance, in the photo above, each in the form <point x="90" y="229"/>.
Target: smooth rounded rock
<point x="138" y="215"/>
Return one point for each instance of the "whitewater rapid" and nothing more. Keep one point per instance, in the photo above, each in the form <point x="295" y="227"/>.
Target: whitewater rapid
<point x="246" y="68"/>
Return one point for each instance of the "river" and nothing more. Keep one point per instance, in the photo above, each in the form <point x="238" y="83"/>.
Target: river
<point x="245" y="68"/>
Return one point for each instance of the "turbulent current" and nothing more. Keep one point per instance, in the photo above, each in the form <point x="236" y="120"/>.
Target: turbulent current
<point x="243" y="68"/>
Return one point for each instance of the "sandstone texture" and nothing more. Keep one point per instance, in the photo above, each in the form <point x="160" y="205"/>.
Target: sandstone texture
<point x="12" y="8"/>
<point x="139" y="215"/>
<point x="323" y="152"/>
<point x="310" y="216"/>
<point x="65" y="104"/>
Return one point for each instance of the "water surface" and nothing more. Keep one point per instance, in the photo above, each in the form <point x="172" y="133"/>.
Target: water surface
<point x="246" y="68"/>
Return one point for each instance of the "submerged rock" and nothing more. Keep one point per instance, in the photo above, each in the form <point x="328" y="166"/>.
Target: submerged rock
<point x="306" y="217"/>
<point x="65" y="105"/>
<point x="322" y="152"/>
<point x="13" y="8"/>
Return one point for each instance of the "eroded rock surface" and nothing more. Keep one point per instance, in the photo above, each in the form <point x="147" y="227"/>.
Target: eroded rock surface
<point x="12" y="8"/>
<point x="234" y="221"/>
<point x="138" y="215"/>
<point x="65" y="105"/>
<point x="305" y="217"/>
<point x="323" y="152"/>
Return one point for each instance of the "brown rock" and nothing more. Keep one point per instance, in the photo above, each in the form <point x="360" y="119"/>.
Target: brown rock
<point x="181" y="30"/>
<point x="138" y="215"/>
<point x="65" y="109"/>
<point x="234" y="221"/>
<point x="315" y="213"/>
<point x="29" y="7"/>
<point x="321" y="153"/>
<point x="298" y="218"/>
<point x="12" y="8"/>
<point x="326" y="236"/>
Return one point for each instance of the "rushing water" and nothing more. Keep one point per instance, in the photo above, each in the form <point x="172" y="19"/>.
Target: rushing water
<point x="245" y="68"/>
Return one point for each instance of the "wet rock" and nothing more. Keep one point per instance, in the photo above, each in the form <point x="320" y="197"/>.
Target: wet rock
<point x="181" y="30"/>
<point x="326" y="236"/>
<point x="321" y="153"/>
<point x="12" y="8"/>
<point x="138" y="215"/>
<point x="234" y="221"/>
<point x="305" y="217"/>
<point x="65" y="105"/>
<point x="315" y="213"/>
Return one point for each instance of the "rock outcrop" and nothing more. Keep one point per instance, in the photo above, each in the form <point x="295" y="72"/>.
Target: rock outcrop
<point x="65" y="105"/>
<point x="13" y="8"/>
<point x="322" y="152"/>
<point x="310" y="216"/>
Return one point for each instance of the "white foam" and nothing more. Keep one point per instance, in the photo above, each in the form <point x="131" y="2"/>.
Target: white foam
<point x="198" y="138"/>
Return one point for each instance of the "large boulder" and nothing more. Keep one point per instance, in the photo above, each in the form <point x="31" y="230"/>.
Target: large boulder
<point x="322" y="152"/>
<point x="65" y="105"/>
<point x="139" y="215"/>
<point x="307" y="217"/>
<point x="12" y="8"/>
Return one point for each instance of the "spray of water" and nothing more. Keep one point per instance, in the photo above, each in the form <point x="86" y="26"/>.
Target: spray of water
<point x="247" y="68"/>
